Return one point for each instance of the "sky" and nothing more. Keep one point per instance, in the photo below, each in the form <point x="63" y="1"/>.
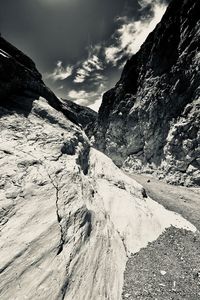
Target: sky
<point x="80" y="46"/>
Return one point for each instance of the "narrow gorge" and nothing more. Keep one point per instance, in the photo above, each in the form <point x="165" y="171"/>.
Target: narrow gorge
<point x="76" y="220"/>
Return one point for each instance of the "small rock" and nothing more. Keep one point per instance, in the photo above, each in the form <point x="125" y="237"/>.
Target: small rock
<point x="162" y="272"/>
<point x="127" y="295"/>
<point x="196" y="275"/>
<point x="162" y="284"/>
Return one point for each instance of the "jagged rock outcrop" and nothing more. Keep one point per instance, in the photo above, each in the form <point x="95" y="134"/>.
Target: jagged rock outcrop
<point x="69" y="218"/>
<point x="150" y="121"/>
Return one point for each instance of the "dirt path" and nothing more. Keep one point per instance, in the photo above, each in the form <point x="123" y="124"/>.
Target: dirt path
<point x="183" y="200"/>
<point x="168" y="268"/>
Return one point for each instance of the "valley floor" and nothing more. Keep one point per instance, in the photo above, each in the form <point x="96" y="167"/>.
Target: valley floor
<point x="183" y="200"/>
<point x="168" y="268"/>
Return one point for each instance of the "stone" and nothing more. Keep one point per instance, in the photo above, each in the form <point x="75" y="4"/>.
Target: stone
<point x="163" y="272"/>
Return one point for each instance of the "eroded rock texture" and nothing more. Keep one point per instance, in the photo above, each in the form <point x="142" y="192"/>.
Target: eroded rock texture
<point x="149" y="122"/>
<point x="69" y="218"/>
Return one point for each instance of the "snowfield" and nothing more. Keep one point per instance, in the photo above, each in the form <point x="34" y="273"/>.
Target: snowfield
<point x="70" y="218"/>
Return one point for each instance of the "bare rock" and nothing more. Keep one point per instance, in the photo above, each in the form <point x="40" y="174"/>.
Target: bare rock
<point x="149" y="122"/>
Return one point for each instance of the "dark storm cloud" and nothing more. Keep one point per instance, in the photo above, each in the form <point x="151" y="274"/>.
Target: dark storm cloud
<point x="79" y="46"/>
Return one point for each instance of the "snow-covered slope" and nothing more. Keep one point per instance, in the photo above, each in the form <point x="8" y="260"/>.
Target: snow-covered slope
<point x="69" y="217"/>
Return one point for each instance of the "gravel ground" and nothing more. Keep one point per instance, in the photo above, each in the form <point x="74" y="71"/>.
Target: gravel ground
<point x="168" y="268"/>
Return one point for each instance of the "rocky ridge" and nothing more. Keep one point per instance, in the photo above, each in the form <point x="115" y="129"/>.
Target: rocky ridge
<point x="149" y="122"/>
<point x="20" y="81"/>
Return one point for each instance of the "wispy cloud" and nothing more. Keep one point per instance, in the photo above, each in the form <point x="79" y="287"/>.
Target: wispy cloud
<point x="91" y="64"/>
<point x="99" y="70"/>
<point x="91" y="99"/>
<point x="60" y="72"/>
<point x="131" y="34"/>
<point x="78" y="94"/>
<point x="81" y="75"/>
<point x="97" y="103"/>
<point x="126" y="40"/>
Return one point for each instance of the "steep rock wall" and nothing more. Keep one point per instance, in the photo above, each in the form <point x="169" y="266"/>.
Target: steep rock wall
<point x="149" y="122"/>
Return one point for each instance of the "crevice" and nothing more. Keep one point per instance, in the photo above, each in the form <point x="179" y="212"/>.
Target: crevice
<point x="144" y="193"/>
<point x="123" y="242"/>
<point x="62" y="241"/>
<point x="59" y="218"/>
<point x="64" y="289"/>
<point x="86" y="221"/>
<point x="83" y="159"/>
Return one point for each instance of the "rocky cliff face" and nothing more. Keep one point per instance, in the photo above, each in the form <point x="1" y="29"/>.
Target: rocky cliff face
<point x="69" y="218"/>
<point x="149" y="122"/>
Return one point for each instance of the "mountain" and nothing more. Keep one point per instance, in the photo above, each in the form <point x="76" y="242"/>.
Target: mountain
<point x="21" y="82"/>
<point x="62" y="232"/>
<point x="73" y="225"/>
<point x="149" y="122"/>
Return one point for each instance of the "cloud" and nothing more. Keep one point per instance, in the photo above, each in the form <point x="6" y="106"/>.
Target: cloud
<point x="96" y="104"/>
<point x="90" y="65"/>
<point x="127" y="39"/>
<point x="77" y="94"/>
<point x="112" y="54"/>
<point x="81" y="75"/>
<point x="60" y="72"/>
<point x="131" y="34"/>
<point x="91" y="99"/>
<point x="80" y="97"/>
<point x="90" y="77"/>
